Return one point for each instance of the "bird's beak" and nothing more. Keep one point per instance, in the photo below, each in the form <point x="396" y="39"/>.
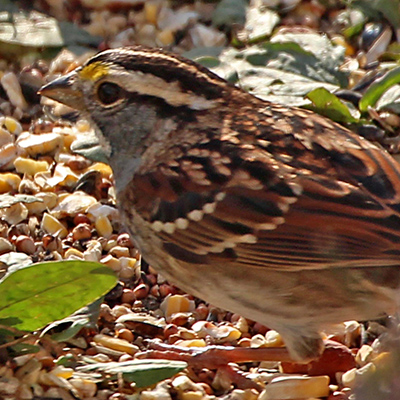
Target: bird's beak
<point x="64" y="90"/>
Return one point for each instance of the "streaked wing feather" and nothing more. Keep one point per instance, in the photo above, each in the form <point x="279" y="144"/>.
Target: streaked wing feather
<point x="295" y="200"/>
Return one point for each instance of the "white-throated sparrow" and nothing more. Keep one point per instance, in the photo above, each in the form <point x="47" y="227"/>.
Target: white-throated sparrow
<point x="273" y="212"/>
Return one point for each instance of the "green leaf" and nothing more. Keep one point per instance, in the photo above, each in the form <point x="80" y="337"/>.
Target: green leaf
<point x="8" y="5"/>
<point x="286" y="68"/>
<point x="353" y="22"/>
<point x="73" y="35"/>
<point x="392" y="52"/>
<point x="376" y="8"/>
<point x="41" y="293"/>
<point x="390" y="100"/>
<point x="8" y="200"/>
<point x="280" y="72"/>
<point x="328" y="104"/>
<point x="206" y="56"/>
<point x="22" y="348"/>
<point x="376" y="90"/>
<point x="143" y="372"/>
<point x="318" y="60"/>
<point x="38" y="34"/>
<point x="230" y="12"/>
<point x="203" y="52"/>
<point x="66" y="328"/>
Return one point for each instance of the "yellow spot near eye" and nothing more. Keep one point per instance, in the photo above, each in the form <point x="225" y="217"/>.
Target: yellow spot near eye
<point x="94" y="71"/>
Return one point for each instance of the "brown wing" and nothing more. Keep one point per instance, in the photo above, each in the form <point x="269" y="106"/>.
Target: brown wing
<point x="302" y="192"/>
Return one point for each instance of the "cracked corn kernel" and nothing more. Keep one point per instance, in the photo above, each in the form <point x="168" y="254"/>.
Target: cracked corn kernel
<point x="191" y="343"/>
<point x="116" y="344"/>
<point x="222" y="334"/>
<point x="357" y="377"/>
<point x="30" y="167"/>
<point x="83" y="126"/>
<point x="273" y="339"/>
<point x="9" y="182"/>
<point x="166" y="37"/>
<point x="257" y="341"/>
<point x="5" y="137"/>
<point x="191" y="395"/>
<point x="85" y="387"/>
<point x="5" y="246"/>
<point x="8" y="153"/>
<point x="12" y="125"/>
<point x="349" y="377"/>
<point x="12" y="87"/>
<point x="40" y="144"/>
<point x="127" y="273"/>
<point x="296" y="387"/>
<point x="73" y="253"/>
<point x="129" y="262"/>
<point x="183" y="383"/>
<point x="120" y="251"/>
<point x="160" y="392"/>
<point x="93" y="251"/>
<point x="71" y="204"/>
<point x="53" y="226"/>
<point x="49" y="202"/>
<point x="62" y="372"/>
<point x="103" y="226"/>
<point x="104" y="169"/>
<point x="176" y="303"/>
<point x="151" y="9"/>
<point x="364" y="355"/>
<point x="111" y="262"/>
<point x="62" y="176"/>
<point x="14" y="214"/>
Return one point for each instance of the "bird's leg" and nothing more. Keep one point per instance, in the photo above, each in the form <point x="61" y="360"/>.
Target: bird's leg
<point x="215" y="356"/>
<point x="218" y="357"/>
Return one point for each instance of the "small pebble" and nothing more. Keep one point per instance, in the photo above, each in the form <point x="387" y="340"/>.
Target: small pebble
<point x="25" y="244"/>
<point x="141" y="291"/>
<point x="82" y="232"/>
<point x="128" y="296"/>
<point x="125" y="334"/>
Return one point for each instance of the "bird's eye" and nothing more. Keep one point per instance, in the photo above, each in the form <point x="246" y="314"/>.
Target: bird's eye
<point x="108" y="93"/>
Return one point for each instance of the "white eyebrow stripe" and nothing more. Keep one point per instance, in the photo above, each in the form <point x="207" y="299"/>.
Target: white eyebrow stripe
<point x="150" y="85"/>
